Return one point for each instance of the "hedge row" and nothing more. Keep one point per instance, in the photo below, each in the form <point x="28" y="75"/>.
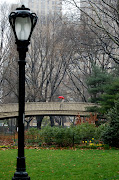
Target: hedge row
<point x="64" y="136"/>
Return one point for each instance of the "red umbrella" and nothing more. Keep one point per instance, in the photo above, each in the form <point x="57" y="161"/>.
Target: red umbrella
<point x="61" y="97"/>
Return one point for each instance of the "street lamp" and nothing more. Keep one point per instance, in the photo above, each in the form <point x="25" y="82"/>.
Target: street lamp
<point x="22" y="21"/>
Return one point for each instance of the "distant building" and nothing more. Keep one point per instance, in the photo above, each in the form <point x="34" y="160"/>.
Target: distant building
<point x="44" y="8"/>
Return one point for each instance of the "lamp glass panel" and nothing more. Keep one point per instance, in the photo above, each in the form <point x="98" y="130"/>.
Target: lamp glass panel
<point x="23" y="27"/>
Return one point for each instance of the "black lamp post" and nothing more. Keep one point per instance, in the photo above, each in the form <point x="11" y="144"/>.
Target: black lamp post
<point x="22" y="22"/>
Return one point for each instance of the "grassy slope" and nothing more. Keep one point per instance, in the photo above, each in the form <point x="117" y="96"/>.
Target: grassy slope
<point x="63" y="164"/>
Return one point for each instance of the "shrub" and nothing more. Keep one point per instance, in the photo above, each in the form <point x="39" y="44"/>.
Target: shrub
<point x="84" y="132"/>
<point x="47" y="135"/>
<point x="77" y="134"/>
<point x="58" y="136"/>
<point x="69" y="137"/>
<point x="32" y="135"/>
<point x="111" y="135"/>
<point x="99" y="131"/>
<point x="63" y="136"/>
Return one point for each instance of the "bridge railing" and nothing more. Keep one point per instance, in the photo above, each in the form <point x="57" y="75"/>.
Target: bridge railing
<point x="46" y="108"/>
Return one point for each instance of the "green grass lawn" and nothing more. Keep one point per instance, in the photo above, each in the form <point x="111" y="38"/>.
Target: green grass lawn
<point x="63" y="164"/>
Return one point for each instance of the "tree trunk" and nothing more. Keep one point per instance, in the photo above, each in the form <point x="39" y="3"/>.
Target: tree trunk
<point x="39" y="121"/>
<point x="52" y="121"/>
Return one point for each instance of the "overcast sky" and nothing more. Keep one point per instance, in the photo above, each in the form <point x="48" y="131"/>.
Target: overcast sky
<point x="11" y="1"/>
<point x="66" y="8"/>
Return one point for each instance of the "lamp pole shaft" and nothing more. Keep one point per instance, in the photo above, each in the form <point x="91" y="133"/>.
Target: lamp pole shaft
<point x="21" y="113"/>
<point x="21" y="173"/>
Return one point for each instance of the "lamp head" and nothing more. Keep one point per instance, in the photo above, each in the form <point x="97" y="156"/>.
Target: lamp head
<point x="22" y="21"/>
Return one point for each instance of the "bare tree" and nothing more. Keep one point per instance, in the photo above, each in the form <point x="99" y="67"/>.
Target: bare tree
<point x="102" y="18"/>
<point x="95" y="38"/>
<point x="7" y="56"/>
<point x="48" y="59"/>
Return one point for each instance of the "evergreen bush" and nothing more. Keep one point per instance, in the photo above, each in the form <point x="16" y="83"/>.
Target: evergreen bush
<point x="58" y="136"/>
<point x="64" y="137"/>
<point x="99" y="131"/>
<point x="47" y="135"/>
<point x="111" y="135"/>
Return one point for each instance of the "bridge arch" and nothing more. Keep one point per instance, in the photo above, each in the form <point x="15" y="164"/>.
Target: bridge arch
<point x="41" y="109"/>
<point x="46" y="109"/>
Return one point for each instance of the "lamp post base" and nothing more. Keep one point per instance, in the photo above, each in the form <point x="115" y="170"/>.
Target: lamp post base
<point x="21" y="176"/>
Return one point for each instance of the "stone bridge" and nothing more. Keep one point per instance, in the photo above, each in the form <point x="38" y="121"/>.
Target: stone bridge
<point x="46" y="109"/>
